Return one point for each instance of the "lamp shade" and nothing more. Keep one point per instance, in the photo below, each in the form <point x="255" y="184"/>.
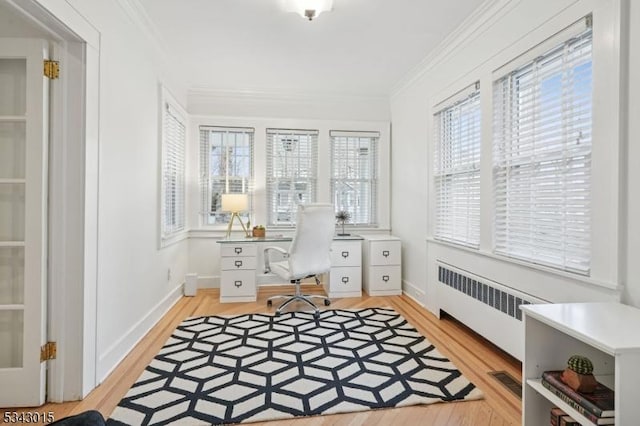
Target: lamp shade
<point x="235" y="202"/>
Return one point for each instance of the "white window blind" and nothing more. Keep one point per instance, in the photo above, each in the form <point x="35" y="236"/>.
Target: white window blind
<point x="226" y="166"/>
<point x="354" y="180"/>
<point x="457" y="168"/>
<point x="292" y="163"/>
<point x="542" y="155"/>
<point x="173" y="158"/>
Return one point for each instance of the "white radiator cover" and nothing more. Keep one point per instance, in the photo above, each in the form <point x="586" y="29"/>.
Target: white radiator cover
<point x="489" y="308"/>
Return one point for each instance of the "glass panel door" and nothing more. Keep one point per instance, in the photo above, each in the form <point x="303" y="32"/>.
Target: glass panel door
<point x="13" y="88"/>
<point x="23" y="220"/>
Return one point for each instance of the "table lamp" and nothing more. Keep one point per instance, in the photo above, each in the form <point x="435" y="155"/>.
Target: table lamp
<point x="235" y="203"/>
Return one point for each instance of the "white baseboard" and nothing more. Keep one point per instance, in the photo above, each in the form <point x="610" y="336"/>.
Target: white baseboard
<point x="208" y="282"/>
<point x="111" y="357"/>
<point x="413" y="292"/>
<point x="268" y="279"/>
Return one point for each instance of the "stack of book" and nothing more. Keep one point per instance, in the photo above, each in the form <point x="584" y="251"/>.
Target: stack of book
<point x="597" y="406"/>
<point x="560" y="418"/>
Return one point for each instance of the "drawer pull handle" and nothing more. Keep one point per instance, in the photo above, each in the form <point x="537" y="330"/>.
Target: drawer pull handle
<point x="345" y="254"/>
<point x="238" y="250"/>
<point x="237" y="283"/>
<point x="385" y="278"/>
<point x="385" y="253"/>
<point x="345" y="280"/>
<point x="238" y="263"/>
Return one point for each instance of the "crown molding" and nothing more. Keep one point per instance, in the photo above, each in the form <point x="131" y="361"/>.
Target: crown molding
<point x="138" y="15"/>
<point x="136" y="12"/>
<point x="474" y="25"/>
<point x="288" y="104"/>
<point x="281" y="95"/>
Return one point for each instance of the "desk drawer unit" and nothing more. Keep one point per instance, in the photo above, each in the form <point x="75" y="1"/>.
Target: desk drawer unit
<point x="238" y="286"/>
<point x="383" y="280"/>
<point x="345" y="277"/>
<point x="237" y="263"/>
<point x="345" y="282"/>
<point x="238" y="272"/>
<point x="238" y="250"/>
<point x="346" y="253"/>
<point x="383" y="265"/>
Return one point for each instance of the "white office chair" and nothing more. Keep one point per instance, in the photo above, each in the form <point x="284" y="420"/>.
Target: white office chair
<point x="308" y="255"/>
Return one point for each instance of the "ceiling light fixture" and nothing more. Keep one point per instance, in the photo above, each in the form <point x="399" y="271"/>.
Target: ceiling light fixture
<point x="308" y="8"/>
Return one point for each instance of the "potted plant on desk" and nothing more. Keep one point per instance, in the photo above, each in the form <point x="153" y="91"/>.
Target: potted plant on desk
<point x="342" y="217"/>
<point x="258" y="231"/>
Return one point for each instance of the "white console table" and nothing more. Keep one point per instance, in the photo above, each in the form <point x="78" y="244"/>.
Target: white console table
<point x="239" y="267"/>
<point x="607" y="333"/>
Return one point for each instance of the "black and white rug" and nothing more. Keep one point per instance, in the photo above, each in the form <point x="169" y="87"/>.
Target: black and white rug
<point x="255" y="367"/>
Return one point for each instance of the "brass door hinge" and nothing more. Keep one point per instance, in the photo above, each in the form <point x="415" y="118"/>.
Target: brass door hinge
<point x="51" y="69"/>
<point x="48" y="351"/>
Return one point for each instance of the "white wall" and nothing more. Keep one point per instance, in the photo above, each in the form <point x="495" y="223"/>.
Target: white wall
<point x="498" y="35"/>
<point x="133" y="289"/>
<point x="631" y="266"/>
<point x="287" y="105"/>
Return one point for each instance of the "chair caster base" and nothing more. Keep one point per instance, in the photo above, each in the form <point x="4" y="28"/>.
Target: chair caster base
<point x="327" y="302"/>
<point x="269" y="303"/>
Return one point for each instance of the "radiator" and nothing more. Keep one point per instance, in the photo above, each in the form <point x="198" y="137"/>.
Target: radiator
<point x="489" y="308"/>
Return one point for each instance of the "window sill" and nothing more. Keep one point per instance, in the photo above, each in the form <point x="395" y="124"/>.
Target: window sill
<point x="575" y="277"/>
<point x="168" y="240"/>
<point x="214" y="232"/>
<point x="220" y="232"/>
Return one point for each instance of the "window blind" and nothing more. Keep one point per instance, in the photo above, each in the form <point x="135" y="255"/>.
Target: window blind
<point x="292" y="164"/>
<point x="354" y="180"/>
<point x="542" y="157"/>
<point x="226" y="166"/>
<point x="173" y="155"/>
<point x="457" y="169"/>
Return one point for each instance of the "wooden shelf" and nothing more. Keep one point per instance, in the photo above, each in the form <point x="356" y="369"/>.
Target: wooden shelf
<point x="11" y="307"/>
<point x="13" y="118"/>
<point x="11" y="243"/>
<point x="537" y="385"/>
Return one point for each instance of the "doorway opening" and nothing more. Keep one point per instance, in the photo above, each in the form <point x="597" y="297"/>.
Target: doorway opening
<point x="66" y="218"/>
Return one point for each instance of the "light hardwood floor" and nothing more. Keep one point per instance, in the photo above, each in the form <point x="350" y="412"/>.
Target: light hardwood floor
<point x="473" y="355"/>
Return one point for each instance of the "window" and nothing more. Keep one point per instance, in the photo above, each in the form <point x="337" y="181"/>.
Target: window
<point x="542" y="155"/>
<point x="457" y="168"/>
<point x="173" y="157"/>
<point x="226" y="166"/>
<point x="354" y="157"/>
<point x="292" y="163"/>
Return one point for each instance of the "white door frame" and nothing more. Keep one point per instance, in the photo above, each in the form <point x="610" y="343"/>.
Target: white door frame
<point x="74" y="162"/>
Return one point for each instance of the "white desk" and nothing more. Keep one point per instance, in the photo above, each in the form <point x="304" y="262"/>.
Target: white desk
<point x="240" y="265"/>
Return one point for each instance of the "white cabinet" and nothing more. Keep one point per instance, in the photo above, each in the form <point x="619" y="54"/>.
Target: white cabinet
<point x="238" y="272"/>
<point x="382" y="265"/>
<point x="606" y="333"/>
<point x="345" y="278"/>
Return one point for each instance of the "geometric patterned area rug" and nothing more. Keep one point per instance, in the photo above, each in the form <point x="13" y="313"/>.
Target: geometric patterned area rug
<point x="256" y="367"/>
